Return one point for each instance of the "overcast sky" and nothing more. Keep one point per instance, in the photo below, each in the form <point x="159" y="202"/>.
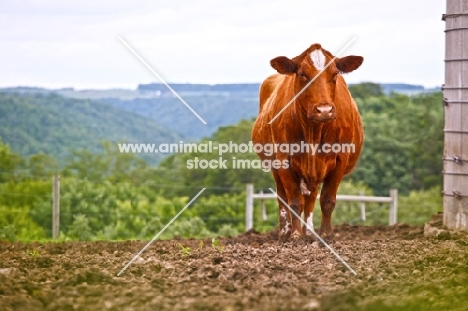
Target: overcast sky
<point x="75" y="43"/>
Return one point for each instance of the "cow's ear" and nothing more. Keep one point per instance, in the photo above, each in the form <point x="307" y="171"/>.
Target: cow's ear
<point x="349" y="63"/>
<point x="283" y="65"/>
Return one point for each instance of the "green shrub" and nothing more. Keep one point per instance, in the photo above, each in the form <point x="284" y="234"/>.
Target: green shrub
<point x="16" y="224"/>
<point x="80" y="229"/>
<point x="8" y="233"/>
<point x="418" y="207"/>
<point x="219" y="210"/>
<point x="228" y="230"/>
<point x="190" y="228"/>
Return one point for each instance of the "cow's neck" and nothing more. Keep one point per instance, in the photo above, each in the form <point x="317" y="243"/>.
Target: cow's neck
<point x="311" y="134"/>
<point x="311" y="131"/>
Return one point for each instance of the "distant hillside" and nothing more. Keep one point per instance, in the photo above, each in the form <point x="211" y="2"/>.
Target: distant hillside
<point x="218" y="104"/>
<point x="49" y="123"/>
<point x="251" y="89"/>
<point x="408" y="89"/>
<point x="204" y="88"/>
<point x="216" y="110"/>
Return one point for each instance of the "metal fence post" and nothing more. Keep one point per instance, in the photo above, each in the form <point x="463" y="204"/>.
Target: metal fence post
<point x="249" y="207"/>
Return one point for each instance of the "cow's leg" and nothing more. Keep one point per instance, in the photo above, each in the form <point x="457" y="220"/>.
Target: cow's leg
<point x="309" y="210"/>
<point x="327" y="203"/>
<point x="294" y="199"/>
<point x="284" y="216"/>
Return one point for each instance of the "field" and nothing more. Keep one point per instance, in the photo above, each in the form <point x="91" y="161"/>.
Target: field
<point x="398" y="267"/>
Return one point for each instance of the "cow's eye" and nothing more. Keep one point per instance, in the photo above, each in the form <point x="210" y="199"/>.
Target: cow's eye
<point x="302" y="74"/>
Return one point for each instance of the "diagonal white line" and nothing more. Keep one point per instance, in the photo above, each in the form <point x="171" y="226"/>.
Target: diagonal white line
<point x="310" y="82"/>
<point x="161" y="79"/>
<point x="313" y="231"/>
<point x="159" y="233"/>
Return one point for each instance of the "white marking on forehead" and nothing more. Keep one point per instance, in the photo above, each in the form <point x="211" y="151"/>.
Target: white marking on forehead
<point x="318" y="59"/>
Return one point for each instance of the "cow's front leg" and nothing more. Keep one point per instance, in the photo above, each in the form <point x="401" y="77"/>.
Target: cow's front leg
<point x="294" y="199"/>
<point x="284" y="215"/>
<point x="297" y="206"/>
<point x="309" y="210"/>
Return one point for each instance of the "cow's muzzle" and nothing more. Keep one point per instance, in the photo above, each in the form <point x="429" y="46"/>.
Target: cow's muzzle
<point x="322" y="113"/>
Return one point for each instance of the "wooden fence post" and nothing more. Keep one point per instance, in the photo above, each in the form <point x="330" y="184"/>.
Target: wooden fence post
<point x="392" y="218"/>
<point x="361" y="198"/>
<point x="363" y="207"/>
<point x="264" y="213"/>
<point x="55" y="206"/>
<point x="249" y="207"/>
<point x="455" y="171"/>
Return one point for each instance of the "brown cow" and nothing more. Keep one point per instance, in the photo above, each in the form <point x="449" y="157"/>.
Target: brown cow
<point x="324" y="113"/>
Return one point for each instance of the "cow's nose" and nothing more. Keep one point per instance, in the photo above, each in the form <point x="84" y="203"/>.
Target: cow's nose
<point x="322" y="112"/>
<point x="324" y="108"/>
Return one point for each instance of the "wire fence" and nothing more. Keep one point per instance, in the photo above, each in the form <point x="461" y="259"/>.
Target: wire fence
<point x="120" y="210"/>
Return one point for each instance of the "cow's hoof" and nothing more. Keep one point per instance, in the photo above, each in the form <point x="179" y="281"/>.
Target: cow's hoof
<point x="309" y="237"/>
<point x="328" y="239"/>
<point x="283" y="237"/>
<point x="308" y="233"/>
<point x="327" y="236"/>
<point x="296" y="235"/>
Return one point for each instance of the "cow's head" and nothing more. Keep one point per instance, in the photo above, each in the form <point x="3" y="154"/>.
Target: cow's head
<point x="317" y="99"/>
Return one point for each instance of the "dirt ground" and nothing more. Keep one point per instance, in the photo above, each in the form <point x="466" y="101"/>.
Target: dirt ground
<point x="397" y="267"/>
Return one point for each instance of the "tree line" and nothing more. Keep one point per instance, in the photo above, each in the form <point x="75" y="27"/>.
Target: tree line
<point x="111" y="195"/>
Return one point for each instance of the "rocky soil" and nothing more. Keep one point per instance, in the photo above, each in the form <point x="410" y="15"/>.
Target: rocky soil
<point x="397" y="267"/>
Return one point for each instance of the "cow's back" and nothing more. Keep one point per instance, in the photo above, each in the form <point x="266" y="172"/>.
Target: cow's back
<point x="261" y="132"/>
<point x="269" y="89"/>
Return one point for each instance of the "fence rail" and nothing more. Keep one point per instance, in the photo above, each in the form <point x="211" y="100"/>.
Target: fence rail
<point x="392" y="199"/>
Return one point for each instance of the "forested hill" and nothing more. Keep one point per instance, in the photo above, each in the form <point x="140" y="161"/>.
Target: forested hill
<point x="218" y="104"/>
<point x="216" y="110"/>
<point x="49" y="123"/>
